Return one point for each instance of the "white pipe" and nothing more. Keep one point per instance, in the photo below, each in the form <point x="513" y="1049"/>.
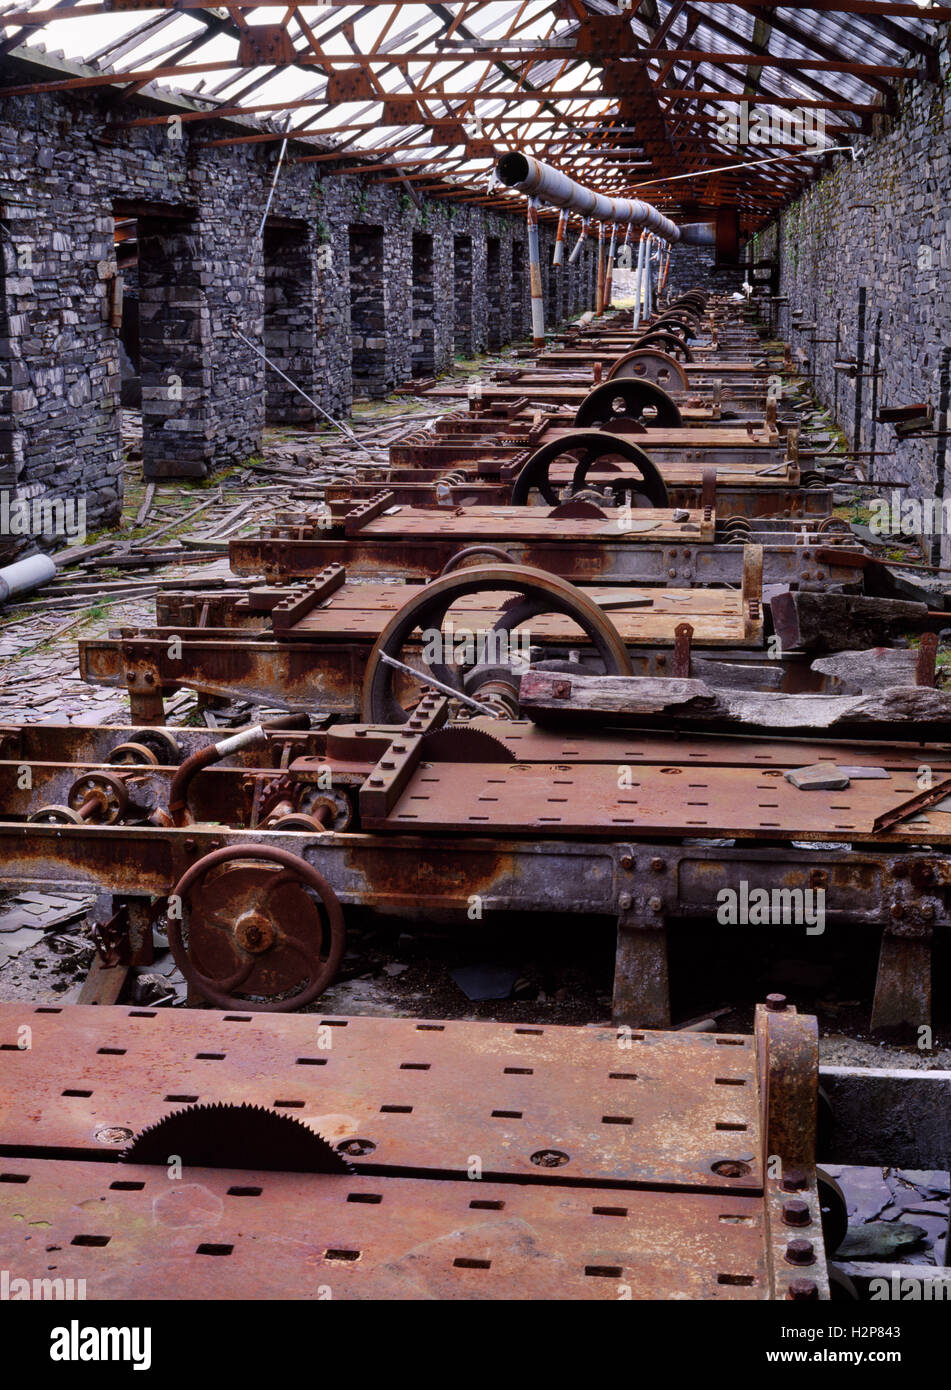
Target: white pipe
<point x="548" y="185"/>
<point x="24" y="575"/>
<point x="535" y="277"/>
<point x="639" y="281"/>
<point x="582" y="237"/>
<point x="559" y="257"/>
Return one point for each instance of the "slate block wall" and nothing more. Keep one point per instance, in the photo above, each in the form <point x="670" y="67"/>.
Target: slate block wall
<point x="203" y="275"/>
<point x="882" y="224"/>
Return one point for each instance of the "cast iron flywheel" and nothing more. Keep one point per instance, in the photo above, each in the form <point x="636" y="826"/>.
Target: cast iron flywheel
<point x="637" y="475"/>
<point x="667" y="342"/>
<point x="616" y="405"/>
<point x="531" y="592"/>
<point x="650" y="364"/>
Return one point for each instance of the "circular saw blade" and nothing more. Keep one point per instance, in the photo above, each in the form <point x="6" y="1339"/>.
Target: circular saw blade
<point x="458" y="743"/>
<point x="235" y="1136"/>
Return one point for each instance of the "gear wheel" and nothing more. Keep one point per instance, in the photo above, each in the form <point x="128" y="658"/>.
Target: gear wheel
<point x="235" y="1136"/>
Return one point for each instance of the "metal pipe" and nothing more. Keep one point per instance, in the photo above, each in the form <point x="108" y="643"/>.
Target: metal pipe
<point x="609" y="267"/>
<point x="582" y="237"/>
<point x="599" y="287"/>
<point x="541" y="181"/>
<point x="24" y="575"/>
<point x="639" y="280"/>
<point x="559" y="257"/>
<point x="535" y="277"/>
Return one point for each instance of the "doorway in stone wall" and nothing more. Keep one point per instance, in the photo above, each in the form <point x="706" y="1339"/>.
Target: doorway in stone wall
<point x="424" y="307"/>
<point x="163" y="330"/>
<point x="462" y="294"/>
<point x="368" y="312"/>
<point x="288" y="320"/>
<point x="123" y="309"/>
<point x="493" y="292"/>
<point x="519" y="289"/>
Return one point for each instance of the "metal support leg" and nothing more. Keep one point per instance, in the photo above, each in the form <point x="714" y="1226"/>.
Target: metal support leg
<point x="535" y="274"/>
<point x="639" y="280"/>
<point x="641" y="987"/>
<point x="903" y="985"/>
<point x="599" y="273"/>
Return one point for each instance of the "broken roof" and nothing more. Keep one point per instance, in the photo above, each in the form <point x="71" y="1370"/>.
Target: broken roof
<point x="631" y="98"/>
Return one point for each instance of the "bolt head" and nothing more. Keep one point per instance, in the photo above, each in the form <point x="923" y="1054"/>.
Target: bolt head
<point x="627" y="862"/>
<point x="657" y="866"/>
<point x="655" y="904"/>
<point x="801" y="1252"/>
<point x="801" y="1289"/>
<point x="797" y="1213"/>
<point x="775" y="1003"/>
<point x="794" y="1180"/>
<point x="625" y="901"/>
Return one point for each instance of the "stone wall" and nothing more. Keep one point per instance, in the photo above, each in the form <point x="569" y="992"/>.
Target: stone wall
<point x="865" y="257"/>
<point x="206" y="274"/>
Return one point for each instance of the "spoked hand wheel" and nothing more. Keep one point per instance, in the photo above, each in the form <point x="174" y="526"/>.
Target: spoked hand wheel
<point x="486" y="665"/>
<point x="650" y="364"/>
<point x="259" y="929"/>
<point x="637" y="476"/>
<point x="618" y="405"/>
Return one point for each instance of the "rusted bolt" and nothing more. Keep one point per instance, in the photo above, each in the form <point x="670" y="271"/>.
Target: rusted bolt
<point x="360" y="733"/>
<point x="672" y="573"/>
<point x="818" y="878"/>
<point x="794" y="1180"/>
<point x="624" y="901"/>
<point x="190" y="846"/>
<point x="775" y="1003"/>
<point x="561" y="689"/>
<point x="550" y="1158"/>
<point x="730" y="1168"/>
<point x="627" y="862"/>
<point x="655" y="904"/>
<point x="801" y="1289"/>
<point x="356" y="1148"/>
<point x="900" y="870"/>
<point x="658" y="866"/>
<point x="927" y="911"/>
<point x="796" y="1213"/>
<point x="130" y="675"/>
<point x="898" y="910"/>
<point x="801" y="1252"/>
<point x="149" y="678"/>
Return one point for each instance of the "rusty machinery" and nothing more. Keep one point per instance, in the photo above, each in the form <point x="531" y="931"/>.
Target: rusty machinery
<point x="644" y="1165"/>
<point x="580" y="540"/>
<point x="318" y="645"/>
<point x="252" y="864"/>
